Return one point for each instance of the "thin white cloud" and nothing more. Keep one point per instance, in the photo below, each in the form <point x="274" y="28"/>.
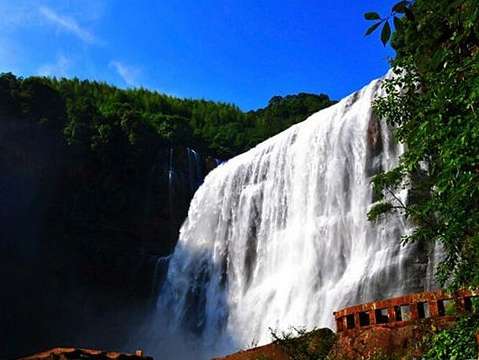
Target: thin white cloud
<point x="128" y="73"/>
<point x="68" y="24"/>
<point x="59" y="68"/>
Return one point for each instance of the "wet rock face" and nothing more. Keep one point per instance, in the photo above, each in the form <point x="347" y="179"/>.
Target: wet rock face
<point x="68" y="265"/>
<point x="374" y="135"/>
<point x="375" y="146"/>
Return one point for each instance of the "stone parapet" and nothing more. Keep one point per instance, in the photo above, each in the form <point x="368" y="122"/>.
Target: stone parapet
<point x="404" y="310"/>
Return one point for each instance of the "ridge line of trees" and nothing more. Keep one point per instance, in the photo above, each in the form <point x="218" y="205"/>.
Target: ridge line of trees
<point x="94" y="114"/>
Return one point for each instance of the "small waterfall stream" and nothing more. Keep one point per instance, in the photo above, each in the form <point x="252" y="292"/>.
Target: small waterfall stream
<point x="279" y="236"/>
<point x="195" y="172"/>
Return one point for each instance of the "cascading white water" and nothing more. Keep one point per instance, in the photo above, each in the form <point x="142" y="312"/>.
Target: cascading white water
<point x="279" y="236"/>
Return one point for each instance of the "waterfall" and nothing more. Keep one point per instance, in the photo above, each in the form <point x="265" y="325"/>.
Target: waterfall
<point x="195" y="173"/>
<point x="171" y="181"/>
<point x="279" y="236"/>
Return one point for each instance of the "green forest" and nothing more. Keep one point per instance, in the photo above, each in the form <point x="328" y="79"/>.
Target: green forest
<point x="105" y="120"/>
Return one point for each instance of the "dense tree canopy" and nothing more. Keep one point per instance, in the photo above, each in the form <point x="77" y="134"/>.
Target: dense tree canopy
<point x="94" y="114"/>
<point x="433" y="102"/>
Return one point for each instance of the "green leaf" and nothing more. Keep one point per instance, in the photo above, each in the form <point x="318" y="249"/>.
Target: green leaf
<point x="409" y="14"/>
<point x="397" y="22"/>
<point x="386" y="33"/>
<point x="379" y="209"/>
<point x="372" y="28"/>
<point x="372" y="16"/>
<point x="400" y="7"/>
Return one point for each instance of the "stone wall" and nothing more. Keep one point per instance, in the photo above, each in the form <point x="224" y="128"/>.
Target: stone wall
<point x="397" y="326"/>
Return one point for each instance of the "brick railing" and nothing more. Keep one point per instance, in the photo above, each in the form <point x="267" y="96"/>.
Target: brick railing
<point x="403" y="310"/>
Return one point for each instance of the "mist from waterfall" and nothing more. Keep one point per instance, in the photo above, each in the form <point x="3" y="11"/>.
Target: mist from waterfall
<point x="279" y="236"/>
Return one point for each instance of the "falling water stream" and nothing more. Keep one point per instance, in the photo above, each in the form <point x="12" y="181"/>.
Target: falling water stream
<point x="279" y="237"/>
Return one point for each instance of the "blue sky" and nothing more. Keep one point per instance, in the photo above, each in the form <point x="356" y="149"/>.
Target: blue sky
<point x="238" y="51"/>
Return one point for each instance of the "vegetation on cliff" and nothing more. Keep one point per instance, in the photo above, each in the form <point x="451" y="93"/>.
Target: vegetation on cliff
<point x="299" y="344"/>
<point x="459" y="342"/>
<point x="95" y="115"/>
<point x="433" y="102"/>
<point x="108" y="150"/>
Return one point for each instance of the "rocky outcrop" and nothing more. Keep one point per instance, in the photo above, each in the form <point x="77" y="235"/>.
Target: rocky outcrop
<point x="392" y="328"/>
<point x="270" y="351"/>
<point x="393" y="340"/>
<point x="315" y="344"/>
